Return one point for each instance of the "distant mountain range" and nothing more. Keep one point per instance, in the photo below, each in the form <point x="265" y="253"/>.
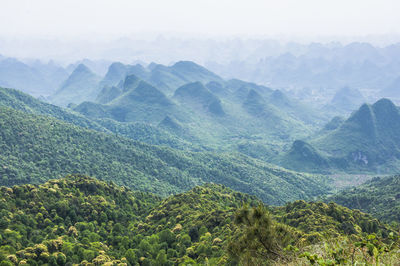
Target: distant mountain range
<point x="314" y="72"/>
<point x="36" y="78"/>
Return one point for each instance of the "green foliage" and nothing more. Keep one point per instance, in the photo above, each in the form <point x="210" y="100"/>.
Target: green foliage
<point x="81" y="85"/>
<point x="324" y="221"/>
<point x="81" y="220"/>
<point x="259" y="239"/>
<point x="368" y="141"/>
<point x="379" y="197"/>
<point x="70" y="220"/>
<point x="313" y="234"/>
<point x="35" y="147"/>
<point x="78" y="219"/>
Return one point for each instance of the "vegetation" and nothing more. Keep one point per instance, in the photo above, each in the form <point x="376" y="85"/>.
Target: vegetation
<point x="81" y="85"/>
<point x="379" y="197"/>
<point x="78" y="219"/>
<point x="36" y="147"/>
<point x="137" y="131"/>
<point x="368" y="141"/>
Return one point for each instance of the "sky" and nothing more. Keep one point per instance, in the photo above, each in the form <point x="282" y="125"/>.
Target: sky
<point x="112" y="18"/>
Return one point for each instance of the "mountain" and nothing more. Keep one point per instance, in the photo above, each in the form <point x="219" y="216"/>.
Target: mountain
<point x="199" y="97"/>
<point x="171" y="124"/>
<point x="78" y="219"/>
<point x="303" y="156"/>
<point x="34" y="147"/>
<point x="335" y="122"/>
<point x="136" y="131"/>
<point x="117" y="72"/>
<point x="271" y="117"/>
<point x="168" y="79"/>
<point x="368" y="138"/>
<point x="36" y="78"/>
<point x="165" y="78"/>
<point x="138" y="101"/>
<point x="346" y="100"/>
<point x="191" y="71"/>
<point x="239" y="116"/>
<point x="81" y="85"/>
<point x="379" y="197"/>
<point x="367" y="141"/>
<point x="26" y="103"/>
<point x="107" y="94"/>
<point x="315" y="72"/>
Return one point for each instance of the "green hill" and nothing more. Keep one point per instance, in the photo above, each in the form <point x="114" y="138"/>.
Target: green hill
<point x="107" y="94"/>
<point x="368" y="141"/>
<point x="139" y="101"/>
<point x="303" y="156"/>
<point x="78" y="219"/>
<point x="379" y="197"/>
<point x="136" y="131"/>
<point x="81" y="85"/>
<point x="34" y="147"/>
<point x="345" y="100"/>
<point x="199" y="97"/>
<point x="26" y="103"/>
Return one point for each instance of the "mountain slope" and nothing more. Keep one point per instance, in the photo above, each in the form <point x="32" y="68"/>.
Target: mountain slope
<point x="34" y="147"/>
<point x="379" y="197"/>
<point x="35" y="78"/>
<point x="81" y="85"/>
<point x="77" y="220"/>
<point x="139" y="101"/>
<point x="26" y="103"/>
<point x="346" y="100"/>
<point x="368" y="141"/>
<point x="136" y="131"/>
<point x="199" y="97"/>
<point x="369" y="138"/>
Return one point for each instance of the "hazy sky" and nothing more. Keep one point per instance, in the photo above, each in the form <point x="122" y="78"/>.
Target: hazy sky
<point x="58" y="18"/>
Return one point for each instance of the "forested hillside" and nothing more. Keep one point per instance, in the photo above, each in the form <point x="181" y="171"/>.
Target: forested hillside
<point x="78" y="219"/>
<point x="379" y="197"/>
<point x="36" y="147"/>
<point x="368" y="141"/>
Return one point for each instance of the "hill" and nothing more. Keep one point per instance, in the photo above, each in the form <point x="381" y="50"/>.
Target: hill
<point x="138" y="101"/>
<point x="379" y="197"/>
<point x="78" y="219"/>
<point x="303" y="156"/>
<point x="34" y="147"/>
<point x="81" y="85"/>
<point x="35" y="78"/>
<point x="165" y="78"/>
<point x="136" y="131"/>
<point x="199" y="97"/>
<point x="346" y="100"/>
<point x="26" y="103"/>
<point x="368" y="141"/>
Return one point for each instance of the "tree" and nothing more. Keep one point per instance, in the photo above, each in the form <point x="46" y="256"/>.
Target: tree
<point x="259" y="238"/>
<point x="161" y="258"/>
<point x="130" y="256"/>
